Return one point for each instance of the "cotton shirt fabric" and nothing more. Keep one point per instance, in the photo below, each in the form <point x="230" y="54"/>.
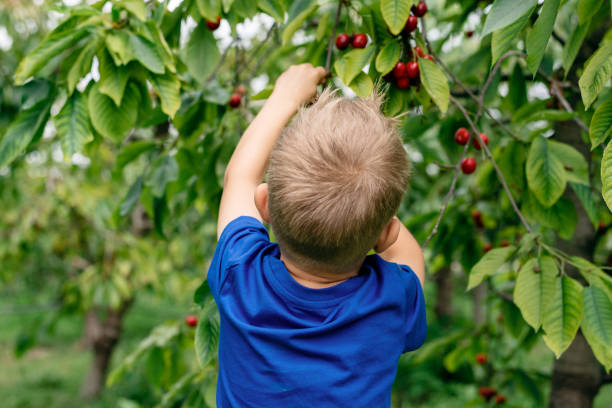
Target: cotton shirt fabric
<point x="285" y="345"/>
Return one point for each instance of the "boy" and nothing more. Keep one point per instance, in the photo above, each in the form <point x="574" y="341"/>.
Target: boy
<point x="312" y="321"/>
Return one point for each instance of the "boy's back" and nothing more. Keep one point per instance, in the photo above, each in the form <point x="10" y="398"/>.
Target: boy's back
<point x="285" y="345"/>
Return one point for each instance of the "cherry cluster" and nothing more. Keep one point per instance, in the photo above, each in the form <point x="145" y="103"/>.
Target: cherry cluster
<point x="236" y="98"/>
<point x="343" y="40"/>
<point x="462" y="136"/>
<point x="487" y="393"/>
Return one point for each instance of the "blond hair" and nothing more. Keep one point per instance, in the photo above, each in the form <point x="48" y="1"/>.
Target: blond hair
<point x="336" y="177"/>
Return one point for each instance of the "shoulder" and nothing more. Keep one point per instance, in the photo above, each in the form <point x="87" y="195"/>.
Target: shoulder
<point x="399" y="278"/>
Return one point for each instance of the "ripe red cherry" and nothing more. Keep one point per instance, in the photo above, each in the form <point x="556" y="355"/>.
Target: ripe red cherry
<point x="419" y="51"/>
<point x="234" y="101"/>
<point x="469" y="33"/>
<point x="213" y="25"/>
<point x="476" y="143"/>
<point x="477" y="217"/>
<point x="468" y="165"/>
<point x="403" y="83"/>
<point x="342" y="41"/>
<point x="429" y="57"/>
<point x="487" y="247"/>
<point x="481" y="358"/>
<point x="500" y="399"/>
<point x="420" y="9"/>
<point x="462" y="135"/>
<point x="487" y="392"/>
<point x="191" y="320"/>
<point x="412" y="70"/>
<point x="411" y="24"/>
<point x="504" y="243"/>
<point x="399" y="71"/>
<point x="360" y="40"/>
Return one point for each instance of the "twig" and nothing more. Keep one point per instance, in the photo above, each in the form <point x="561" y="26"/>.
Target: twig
<point x="333" y="36"/>
<point x="257" y="49"/>
<point x="489" y="80"/>
<point x="555" y="90"/>
<point x="218" y="66"/>
<point x="505" y="296"/>
<point x="557" y="37"/>
<point x="444" y="166"/>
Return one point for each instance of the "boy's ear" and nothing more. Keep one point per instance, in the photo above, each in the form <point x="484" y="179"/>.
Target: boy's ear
<point x="388" y="236"/>
<point x="261" y="201"/>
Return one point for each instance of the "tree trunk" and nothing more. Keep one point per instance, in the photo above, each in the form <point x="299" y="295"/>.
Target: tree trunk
<point x="444" y="294"/>
<point x="101" y="334"/>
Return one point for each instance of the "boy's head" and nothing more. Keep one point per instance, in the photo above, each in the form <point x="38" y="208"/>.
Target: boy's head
<point x="336" y="178"/>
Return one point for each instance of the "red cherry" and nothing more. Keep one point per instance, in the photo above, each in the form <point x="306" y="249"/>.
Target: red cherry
<point x="476" y="143"/>
<point x="462" y="135"/>
<point x="429" y="57"/>
<point x="234" y="101"/>
<point x="477" y="217"/>
<point x="420" y="9"/>
<point x="487" y="392"/>
<point x="412" y="69"/>
<point x="360" y="40"/>
<point x="500" y="399"/>
<point x="419" y="51"/>
<point x="213" y="25"/>
<point x="399" y="71"/>
<point x="481" y="358"/>
<point x="403" y="83"/>
<point x="191" y="320"/>
<point x="468" y="165"/>
<point x="342" y="41"/>
<point x="504" y="243"/>
<point x="487" y="247"/>
<point x="411" y="24"/>
<point x="469" y="33"/>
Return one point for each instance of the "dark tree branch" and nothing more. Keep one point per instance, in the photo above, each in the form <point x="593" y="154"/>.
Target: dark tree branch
<point x="330" y="47"/>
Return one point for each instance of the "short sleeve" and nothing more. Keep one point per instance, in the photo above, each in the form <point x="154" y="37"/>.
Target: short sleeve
<point x="241" y="238"/>
<point x="415" y="323"/>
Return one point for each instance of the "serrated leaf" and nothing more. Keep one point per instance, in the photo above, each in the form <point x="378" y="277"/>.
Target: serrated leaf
<point x="132" y="151"/>
<point x="561" y="216"/>
<point x="298" y="13"/>
<point x="113" y="80"/>
<point x="207" y="335"/>
<point x="435" y="83"/>
<point x="575" y="165"/>
<point x="597" y="72"/>
<point x="601" y="124"/>
<point x="118" y="45"/>
<point x="112" y="121"/>
<point x="395" y="13"/>
<point x="489" y="264"/>
<point x="584" y="194"/>
<point x="602" y="352"/>
<point x="349" y="66"/>
<point x="82" y="65"/>
<point x="597" y="319"/>
<point x="145" y="52"/>
<point x="132" y="196"/>
<point x="563" y="316"/>
<point x="201" y="53"/>
<point x="136" y="7"/>
<point x="168" y="87"/>
<point x="505" y="12"/>
<point x="587" y="9"/>
<point x="517" y="88"/>
<point x="539" y="35"/>
<point x="388" y="57"/>
<point x="162" y="46"/>
<point x="72" y="124"/>
<point x="501" y="40"/>
<point x="534" y="290"/>
<point x="362" y="85"/>
<point x="164" y="171"/>
<point x="545" y="173"/>
<point x="606" y="175"/>
<point x="573" y="44"/>
<point x="27" y="127"/>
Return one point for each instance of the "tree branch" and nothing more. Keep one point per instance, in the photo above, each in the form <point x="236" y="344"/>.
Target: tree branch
<point x="330" y="47"/>
<point x="489" y="80"/>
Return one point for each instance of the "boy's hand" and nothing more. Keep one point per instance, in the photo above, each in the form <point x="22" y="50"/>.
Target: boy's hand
<point x="298" y="84"/>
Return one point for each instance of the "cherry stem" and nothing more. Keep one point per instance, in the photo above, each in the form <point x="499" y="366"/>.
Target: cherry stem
<point x="333" y="36"/>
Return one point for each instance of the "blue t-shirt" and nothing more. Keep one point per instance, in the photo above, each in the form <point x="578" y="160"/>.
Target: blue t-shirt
<point x="285" y="345"/>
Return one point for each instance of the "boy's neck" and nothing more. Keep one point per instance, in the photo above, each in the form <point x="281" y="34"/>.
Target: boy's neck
<point x="316" y="280"/>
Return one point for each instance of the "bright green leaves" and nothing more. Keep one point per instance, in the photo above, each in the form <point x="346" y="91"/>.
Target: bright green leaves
<point x="502" y="39"/>
<point x="395" y="13"/>
<point x="136" y="7"/>
<point x="113" y="80"/>
<point x="28" y="126"/>
<point x="117" y="44"/>
<point x="207" y="334"/>
<point x="209" y="9"/>
<point x="489" y="264"/>
<point x="563" y="316"/>
<point x="165" y="169"/>
<point x="353" y="62"/>
<point x="505" y="12"/>
<point x="606" y="175"/>
<point x="534" y="290"/>
<point x="82" y="65"/>
<point x="545" y="173"/>
<point x="298" y="13"/>
<point x="132" y="197"/>
<point x="597" y="72"/>
<point x="72" y="124"/>
<point x="597" y="323"/>
<point x="146" y="53"/>
<point x="601" y="124"/>
<point x="112" y="121"/>
<point x="168" y="88"/>
<point x="275" y="8"/>
<point x="587" y="9"/>
<point x="201" y="53"/>
<point x="575" y="165"/>
<point x="573" y="44"/>
<point x="362" y="85"/>
<point x="435" y="83"/>
<point x="539" y="35"/>
<point x="388" y="57"/>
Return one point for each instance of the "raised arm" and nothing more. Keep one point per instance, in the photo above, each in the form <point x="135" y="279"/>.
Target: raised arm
<point x="246" y="168"/>
<point x="406" y="251"/>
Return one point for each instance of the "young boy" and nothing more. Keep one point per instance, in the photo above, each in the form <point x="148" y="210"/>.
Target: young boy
<point x="312" y="321"/>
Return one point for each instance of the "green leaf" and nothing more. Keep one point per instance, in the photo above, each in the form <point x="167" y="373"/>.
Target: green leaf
<point x="202" y="294"/>
<point x="168" y="87"/>
<point x="28" y="127"/>
<point x="118" y="45"/>
<point x="209" y="9"/>
<point x="489" y="264"/>
<point x="298" y="13"/>
<point x="534" y="290"/>
<point x="435" y="83"/>
<point x="388" y="57"/>
<point x="585" y="195"/>
<point x="573" y="44"/>
<point x="201" y="53"/>
<point x="132" y="151"/>
<point x="132" y="197"/>
<point x="274" y="8"/>
<point x="587" y="9"/>
<point x="601" y="124"/>
<point x="165" y="170"/>
<point x="539" y="35"/>
<point x="606" y="175"/>
<point x="597" y="319"/>
<point x="563" y="316"/>
<point x="162" y="46"/>
<point x="551" y="115"/>
<point x="517" y="89"/>
<point x="58" y="40"/>
<point x="146" y="53"/>
<point x="505" y="12"/>
<point x="72" y="124"/>
<point x="82" y="65"/>
<point x="501" y="40"/>
<point x="136" y="7"/>
<point x="562" y="216"/>
<point x="575" y="165"/>
<point x="353" y="62"/>
<point x="112" y="121"/>
<point x="362" y="85"/>
<point x="545" y="173"/>
<point x="113" y="80"/>
<point x="597" y="72"/>
<point x="395" y="13"/>
<point x="602" y="352"/>
<point x="207" y="335"/>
